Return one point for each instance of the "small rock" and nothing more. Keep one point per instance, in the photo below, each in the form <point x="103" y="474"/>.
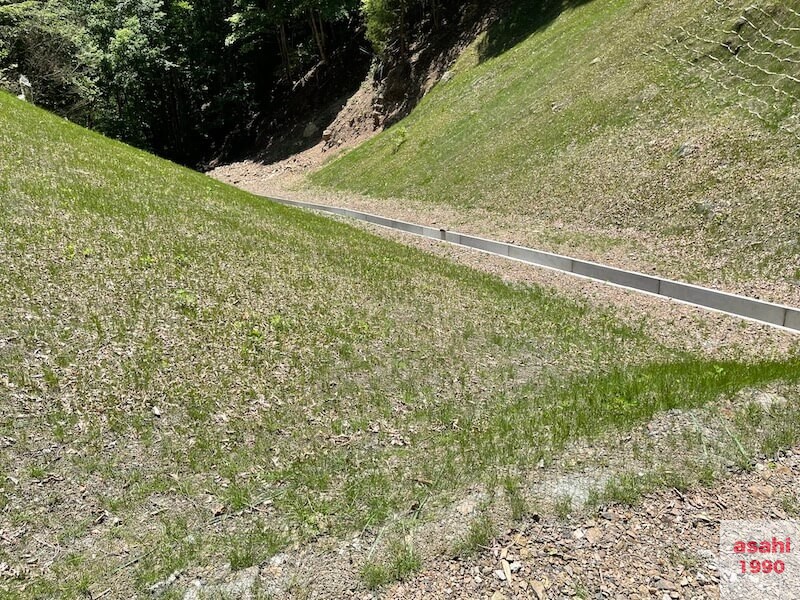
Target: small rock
<point x="467" y="507"/>
<point x="156" y="411"/>
<point x="506" y="570"/>
<point x="664" y="584"/>
<point x="160" y="587"/>
<point x="594" y="535"/>
<point x="193" y="593"/>
<point x="767" y="400"/>
<point x="515" y="566"/>
<point x="538" y="588"/>
<point x="686" y="149"/>
<point x="310" y="130"/>
<point x="500" y="575"/>
<point x="327" y="135"/>
<point x="764" y="491"/>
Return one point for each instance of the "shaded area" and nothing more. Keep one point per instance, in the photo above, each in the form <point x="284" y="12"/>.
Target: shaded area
<point x="294" y="119"/>
<point x="518" y="21"/>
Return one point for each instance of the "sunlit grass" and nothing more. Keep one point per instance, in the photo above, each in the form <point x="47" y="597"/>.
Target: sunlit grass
<point x="611" y="119"/>
<point x="193" y="377"/>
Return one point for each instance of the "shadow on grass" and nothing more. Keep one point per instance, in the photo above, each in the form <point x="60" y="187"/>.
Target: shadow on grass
<point x="518" y="21"/>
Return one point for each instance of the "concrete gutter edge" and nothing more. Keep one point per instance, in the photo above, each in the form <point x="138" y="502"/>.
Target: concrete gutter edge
<point x="784" y="317"/>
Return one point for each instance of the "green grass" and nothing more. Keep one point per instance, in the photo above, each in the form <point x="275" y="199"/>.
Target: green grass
<point x="480" y="534"/>
<point x="401" y="562"/>
<point x="192" y="377"/>
<point x="612" y="116"/>
<point x="515" y="498"/>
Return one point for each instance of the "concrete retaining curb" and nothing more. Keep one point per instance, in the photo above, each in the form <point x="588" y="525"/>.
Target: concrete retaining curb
<point x="777" y="315"/>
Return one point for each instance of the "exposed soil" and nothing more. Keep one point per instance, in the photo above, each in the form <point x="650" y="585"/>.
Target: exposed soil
<point x="665" y="548"/>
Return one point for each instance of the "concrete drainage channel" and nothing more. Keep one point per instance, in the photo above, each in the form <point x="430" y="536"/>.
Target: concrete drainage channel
<point x="776" y="315"/>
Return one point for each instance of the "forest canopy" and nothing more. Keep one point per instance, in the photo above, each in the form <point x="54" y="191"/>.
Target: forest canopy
<point x="182" y="77"/>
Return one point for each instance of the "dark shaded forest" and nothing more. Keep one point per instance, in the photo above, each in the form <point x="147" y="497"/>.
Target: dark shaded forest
<point x="196" y="80"/>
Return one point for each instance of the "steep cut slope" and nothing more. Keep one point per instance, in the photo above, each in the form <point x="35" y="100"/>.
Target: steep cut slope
<point x="659" y="135"/>
<point x="193" y="379"/>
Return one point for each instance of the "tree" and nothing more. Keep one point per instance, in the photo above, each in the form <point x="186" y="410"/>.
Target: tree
<point x="179" y="77"/>
<point x="45" y="42"/>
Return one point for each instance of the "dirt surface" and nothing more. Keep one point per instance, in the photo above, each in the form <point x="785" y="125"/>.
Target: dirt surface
<point x="668" y="321"/>
<point x="627" y="249"/>
<point x="354" y="120"/>
<point x="665" y="548"/>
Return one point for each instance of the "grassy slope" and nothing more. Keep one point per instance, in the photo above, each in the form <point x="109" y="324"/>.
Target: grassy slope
<point x="191" y="376"/>
<point x="613" y="119"/>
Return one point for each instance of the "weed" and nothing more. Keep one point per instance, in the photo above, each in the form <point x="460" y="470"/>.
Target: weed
<point x="791" y="505"/>
<point x="399" y="137"/>
<point x="254" y="547"/>
<point x="186" y="302"/>
<point x="688" y="561"/>
<point x="375" y="576"/>
<point x="628" y="488"/>
<point x="478" y="537"/>
<point x="563" y="507"/>
<point x="515" y="498"/>
<point x="400" y="562"/>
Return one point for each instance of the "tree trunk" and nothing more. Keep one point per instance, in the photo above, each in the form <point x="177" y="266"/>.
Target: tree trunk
<point x="319" y="35"/>
<point x="403" y="32"/>
<point x="284" y="46"/>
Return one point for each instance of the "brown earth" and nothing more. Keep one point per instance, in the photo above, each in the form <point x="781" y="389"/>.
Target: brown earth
<point x="665" y="548"/>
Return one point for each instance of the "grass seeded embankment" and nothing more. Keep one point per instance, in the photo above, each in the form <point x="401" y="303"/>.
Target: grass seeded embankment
<point x="191" y="376"/>
<point x="665" y="132"/>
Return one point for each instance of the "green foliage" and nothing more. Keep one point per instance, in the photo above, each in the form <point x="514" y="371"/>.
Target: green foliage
<point x="173" y="76"/>
<point x="478" y="537"/>
<point x="380" y="16"/>
<point x="401" y="562"/>
<point x="516" y="498"/>
<point x="254" y="547"/>
<point x="42" y="41"/>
